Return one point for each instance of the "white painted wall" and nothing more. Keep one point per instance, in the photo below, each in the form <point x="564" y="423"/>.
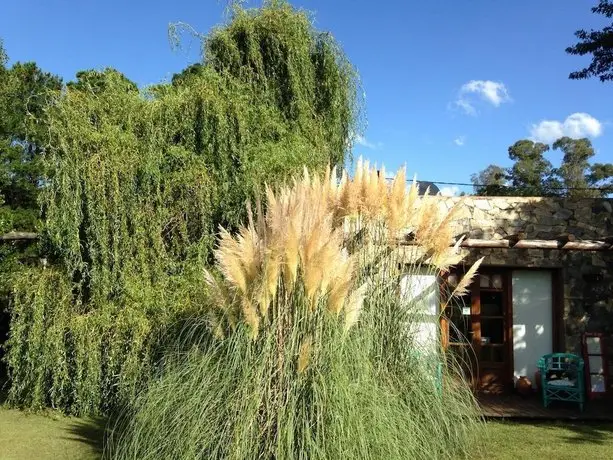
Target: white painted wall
<point x="421" y="294"/>
<point x="532" y="320"/>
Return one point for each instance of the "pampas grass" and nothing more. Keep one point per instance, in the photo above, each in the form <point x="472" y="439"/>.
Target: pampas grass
<point x="308" y="348"/>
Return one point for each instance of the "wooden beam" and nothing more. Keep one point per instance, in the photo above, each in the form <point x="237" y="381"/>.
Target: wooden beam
<point x="565" y="241"/>
<point x="477" y="243"/>
<point x="588" y="246"/>
<point x="538" y="244"/>
<point x="17" y="236"/>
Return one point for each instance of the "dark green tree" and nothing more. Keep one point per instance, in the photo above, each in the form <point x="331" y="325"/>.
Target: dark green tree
<point x="492" y="181"/>
<point x="598" y="44"/>
<point x="96" y="81"/>
<point x="139" y="184"/>
<point x="531" y="173"/>
<point x="601" y="175"/>
<point x="189" y="74"/>
<point x="3" y="56"/>
<point x="24" y="94"/>
<point x="578" y="177"/>
<point x="25" y="91"/>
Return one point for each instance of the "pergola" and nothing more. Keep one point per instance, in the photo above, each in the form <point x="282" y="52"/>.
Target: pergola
<point x="567" y="242"/>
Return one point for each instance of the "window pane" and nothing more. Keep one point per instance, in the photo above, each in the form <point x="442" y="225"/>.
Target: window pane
<point x="492" y="331"/>
<point x="491" y="304"/>
<point x="492" y="354"/>
<point x="460" y="326"/>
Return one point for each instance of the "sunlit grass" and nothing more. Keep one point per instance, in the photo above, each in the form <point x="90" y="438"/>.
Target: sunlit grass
<point x="547" y="440"/>
<point x="48" y="436"/>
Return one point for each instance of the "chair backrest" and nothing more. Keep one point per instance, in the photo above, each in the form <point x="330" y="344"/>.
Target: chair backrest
<point x="567" y="362"/>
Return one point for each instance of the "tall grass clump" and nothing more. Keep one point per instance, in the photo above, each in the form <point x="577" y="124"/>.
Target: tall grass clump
<point x="318" y="342"/>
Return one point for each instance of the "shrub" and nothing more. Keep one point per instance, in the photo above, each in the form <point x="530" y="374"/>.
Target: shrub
<point x="310" y="349"/>
<point x="137" y="185"/>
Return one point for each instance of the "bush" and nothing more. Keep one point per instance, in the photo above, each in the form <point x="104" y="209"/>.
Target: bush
<point x="138" y="184"/>
<point x="310" y="350"/>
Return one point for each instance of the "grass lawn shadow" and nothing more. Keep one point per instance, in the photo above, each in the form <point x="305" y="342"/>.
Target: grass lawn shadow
<point x="588" y="433"/>
<point x="90" y="431"/>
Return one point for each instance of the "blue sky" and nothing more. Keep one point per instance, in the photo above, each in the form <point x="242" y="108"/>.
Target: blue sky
<point x="449" y="84"/>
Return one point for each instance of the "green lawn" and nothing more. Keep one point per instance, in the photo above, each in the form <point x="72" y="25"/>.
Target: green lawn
<point x="48" y="437"/>
<point x="55" y="437"/>
<point x="547" y="440"/>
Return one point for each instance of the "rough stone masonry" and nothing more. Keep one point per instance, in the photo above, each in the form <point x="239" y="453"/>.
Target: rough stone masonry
<point x="587" y="275"/>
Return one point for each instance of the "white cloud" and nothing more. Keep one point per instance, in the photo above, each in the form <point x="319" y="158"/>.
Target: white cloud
<point x="459" y="141"/>
<point x="361" y="140"/>
<point x="576" y="126"/>
<point x="494" y="92"/>
<point x="450" y="191"/>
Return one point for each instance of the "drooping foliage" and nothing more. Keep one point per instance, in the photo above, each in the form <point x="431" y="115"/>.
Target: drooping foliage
<point x="319" y="341"/>
<point x="139" y="184"/>
<point x="24" y="93"/>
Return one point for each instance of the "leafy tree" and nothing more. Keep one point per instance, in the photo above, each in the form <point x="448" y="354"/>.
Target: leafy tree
<point x="140" y="184"/>
<point x="3" y="56"/>
<point x="577" y="175"/>
<point x="531" y="174"/>
<point x="24" y="94"/>
<point x="601" y="175"/>
<point x="188" y="75"/>
<point x="491" y="181"/>
<point x="96" y="81"/>
<point x="599" y="44"/>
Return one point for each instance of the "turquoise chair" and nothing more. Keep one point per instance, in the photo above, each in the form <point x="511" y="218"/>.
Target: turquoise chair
<point x="562" y="378"/>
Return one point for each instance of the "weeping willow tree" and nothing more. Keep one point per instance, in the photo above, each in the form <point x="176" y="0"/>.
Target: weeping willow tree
<point x="138" y="184"/>
<point x="318" y="342"/>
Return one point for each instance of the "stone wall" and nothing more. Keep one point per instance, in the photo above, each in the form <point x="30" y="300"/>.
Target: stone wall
<point x="587" y="276"/>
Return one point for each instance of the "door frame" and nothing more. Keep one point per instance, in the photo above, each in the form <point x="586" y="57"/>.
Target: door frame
<point x="505" y="369"/>
<point x="557" y="310"/>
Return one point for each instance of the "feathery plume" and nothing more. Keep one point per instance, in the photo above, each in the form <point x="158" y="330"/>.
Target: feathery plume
<point x="304" y="354"/>
<point x="251" y="317"/>
<point x="353" y="307"/>
<point x="227" y="256"/>
<point x="465" y="282"/>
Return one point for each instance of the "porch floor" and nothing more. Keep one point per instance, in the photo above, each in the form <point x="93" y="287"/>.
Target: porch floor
<point x="513" y="406"/>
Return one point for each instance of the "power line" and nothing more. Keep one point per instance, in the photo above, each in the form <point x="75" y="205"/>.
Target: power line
<point x="608" y="188"/>
<point x="601" y="189"/>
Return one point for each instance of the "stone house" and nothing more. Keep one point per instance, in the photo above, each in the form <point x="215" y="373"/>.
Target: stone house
<point x="546" y="280"/>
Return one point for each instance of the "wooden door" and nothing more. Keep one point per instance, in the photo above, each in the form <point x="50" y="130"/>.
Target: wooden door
<point x="478" y="327"/>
